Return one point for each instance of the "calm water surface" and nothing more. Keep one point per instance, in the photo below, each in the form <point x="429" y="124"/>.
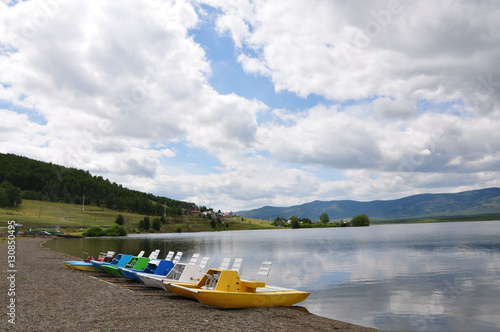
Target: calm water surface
<point x="418" y="277"/>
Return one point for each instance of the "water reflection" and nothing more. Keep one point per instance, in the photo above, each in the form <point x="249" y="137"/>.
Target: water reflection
<point x="426" y="277"/>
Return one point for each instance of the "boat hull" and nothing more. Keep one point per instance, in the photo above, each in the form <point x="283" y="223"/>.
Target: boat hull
<point x="81" y="266"/>
<point x="129" y="274"/>
<point x="113" y="270"/>
<point x="98" y="265"/>
<point x="222" y="299"/>
<point x="250" y="300"/>
<point x="184" y="290"/>
<point x="152" y="280"/>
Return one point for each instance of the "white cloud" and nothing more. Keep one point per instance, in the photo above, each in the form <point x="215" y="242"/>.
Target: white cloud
<point x="414" y="89"/>
<point x="325" y="136"/>
<point x="18" y="132"/>
<point x="354" y="139"/>
<point x="347" y="50"/>
<point x="388" y="108"/>
<point x="127" y="76"/>
<point x="246" y="179"/>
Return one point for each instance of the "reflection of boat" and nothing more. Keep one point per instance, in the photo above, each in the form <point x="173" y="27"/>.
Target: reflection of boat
<point x="136" y="263"/>
<point x="185" y="272"/>
<point x="159" y="267"/>
<point x="225" y="289"/>
<point x="86" y="265"/>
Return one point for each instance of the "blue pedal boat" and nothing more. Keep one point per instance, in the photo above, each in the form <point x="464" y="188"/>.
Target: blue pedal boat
<point x="155" y="267"/>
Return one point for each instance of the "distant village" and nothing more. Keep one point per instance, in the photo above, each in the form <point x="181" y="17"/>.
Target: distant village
<point x="205" y="212"/>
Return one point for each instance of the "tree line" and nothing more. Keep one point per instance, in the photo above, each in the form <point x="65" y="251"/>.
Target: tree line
<point x="49" y="182"/>
<point x="324" y="220"/>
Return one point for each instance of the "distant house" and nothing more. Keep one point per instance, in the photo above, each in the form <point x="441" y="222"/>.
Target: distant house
<point x="228" y="214"/>
<point x="195" y="209"/>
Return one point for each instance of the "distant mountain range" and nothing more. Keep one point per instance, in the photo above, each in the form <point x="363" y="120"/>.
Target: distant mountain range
<point x="468" y="203"/>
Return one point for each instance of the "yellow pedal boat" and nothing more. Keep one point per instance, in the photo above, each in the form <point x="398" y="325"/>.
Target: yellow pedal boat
<point x="225" y="289"/>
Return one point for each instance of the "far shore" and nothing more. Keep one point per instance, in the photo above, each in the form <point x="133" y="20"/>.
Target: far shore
<point x="49" y="297"/>
<point x="37" y="216"/>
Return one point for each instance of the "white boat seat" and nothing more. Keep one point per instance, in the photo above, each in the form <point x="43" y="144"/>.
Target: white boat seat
<point x="141" y="253"/>
<point x="237" y="264"/>
<point x="204" y="262"/>
<point x="225" y="264"/>
<point x="169" y="256"/>
<point x="154" y="254"/>
<point x="194" y="259"/>
<point x="264" y="270"/>
<point x="177" y="257"/>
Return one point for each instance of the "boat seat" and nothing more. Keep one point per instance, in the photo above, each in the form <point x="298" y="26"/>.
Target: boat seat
<point x="108" y="256"/>
<point x="154" y="254"/>
<point x="194" y="259"/>
<point x="264" y="270"/>
<point x="225" y="264"/>
<point x="237" y="264"/>
<point x="204" y="262"/>
<point x="141" y="253"/>
<point x="169" y="256"/>
<point x="177" y="257"/>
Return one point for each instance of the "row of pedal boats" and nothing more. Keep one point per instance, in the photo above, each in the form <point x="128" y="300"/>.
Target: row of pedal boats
<point x="221" y="287"/>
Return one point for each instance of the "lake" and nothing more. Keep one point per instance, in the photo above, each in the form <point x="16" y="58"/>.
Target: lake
<point x="413" y="277"/>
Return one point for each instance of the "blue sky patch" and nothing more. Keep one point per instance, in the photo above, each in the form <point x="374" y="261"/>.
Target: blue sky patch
<point x="33" y="115"/>
<point x="193" y="159"/>
<point x="229" y="77"/>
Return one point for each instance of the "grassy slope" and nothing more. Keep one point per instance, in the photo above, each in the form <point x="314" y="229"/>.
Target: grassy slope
<point x="61" y="214"/>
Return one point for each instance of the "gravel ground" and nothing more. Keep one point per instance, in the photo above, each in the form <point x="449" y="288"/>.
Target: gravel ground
<point x="49" y="297"/>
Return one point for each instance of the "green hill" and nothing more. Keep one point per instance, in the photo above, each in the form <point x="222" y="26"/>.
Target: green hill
<point x="53" y="183"/>
<point x="468" y="203"/>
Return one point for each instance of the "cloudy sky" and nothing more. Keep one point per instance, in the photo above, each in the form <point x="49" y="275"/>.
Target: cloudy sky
<point x="239" y="104"/>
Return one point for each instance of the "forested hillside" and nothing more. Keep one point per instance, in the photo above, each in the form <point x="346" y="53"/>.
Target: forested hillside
<point x="46" y="181"/>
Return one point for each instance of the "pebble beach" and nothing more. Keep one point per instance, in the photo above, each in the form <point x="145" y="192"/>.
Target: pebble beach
<point x="50" y="297"/>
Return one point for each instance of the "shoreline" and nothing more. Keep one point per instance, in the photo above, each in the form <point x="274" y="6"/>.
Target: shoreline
<point x="50" y="297"/>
